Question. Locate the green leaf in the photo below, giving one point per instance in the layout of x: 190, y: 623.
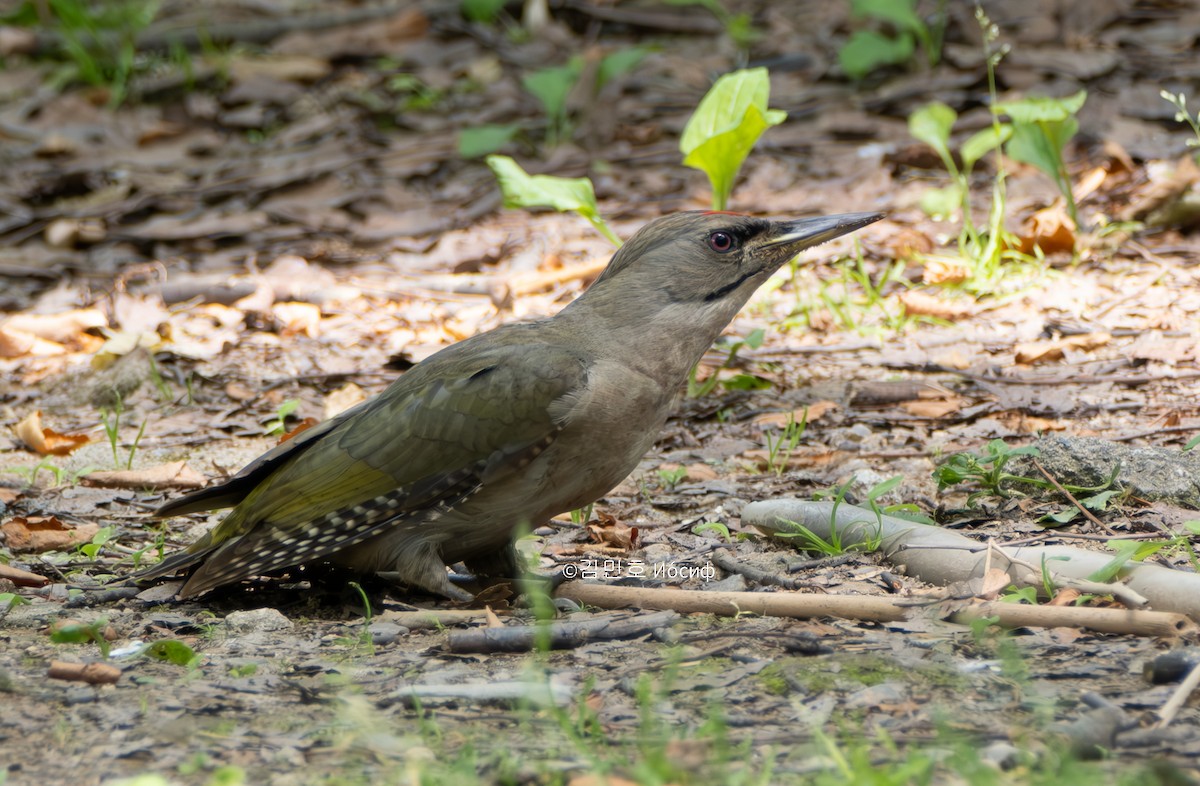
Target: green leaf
x: 481, y: 10
x: 931, y: 124
x: 746, y: 382
x: 171, y: 651
x: 867, y: 50
x: 523, y: 190
x: 1191, y: 443
x: 484, y: 140
x: 1126, y: 551
x: 755, y: 339
x: 725, y: 127
x: 901, y: 13
x: 619, y: 62
x: 983, y: 142
x: 884, y: 487
x: 1064, y: 516
x: 941, y: 202
x: 1099, y: 502
x: 1041, y: 109
x: 552, y: 85
x: 1041, y: 145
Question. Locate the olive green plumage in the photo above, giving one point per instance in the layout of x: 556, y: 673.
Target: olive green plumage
x: 506, y: 428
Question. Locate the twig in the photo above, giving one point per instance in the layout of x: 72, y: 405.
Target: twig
x: 875, y: 609
x: 727, y: 562
x: 558, y: 635
x: 1178, y: 698
x: 1071, y: 497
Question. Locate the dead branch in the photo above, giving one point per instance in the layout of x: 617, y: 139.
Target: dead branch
x: 558, y: 635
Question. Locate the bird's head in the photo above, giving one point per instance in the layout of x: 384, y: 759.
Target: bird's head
x: 705, y: 257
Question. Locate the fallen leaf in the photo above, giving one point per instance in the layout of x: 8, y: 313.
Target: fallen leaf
x: 920, y: 304
x: 173, y: 475
x: 1050, y: 229
x: 945, y: 270
x: 781, y: 419
x: 1048, y: 351
x: 44, y: 533
x: 46, y: 441
x: 342, y: 399
x: 63, y: 328
x: 1064, y: 597
x: 297, y: 318
x: 933, y: 408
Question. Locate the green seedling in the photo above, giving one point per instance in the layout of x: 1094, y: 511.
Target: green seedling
x: 552, y: 87
x: 1126, y: 551
x: 670, y: 478
x: 725, y: 127
x: 485, y: 11
x: 718, y: 527
x: 171, y: 651
x: 486, y: 139
x: 1095, y: 502
x: 987, y: 471
x: 697, y: 389
x: 1041, y: 129
x: 1182, y: 115
x: 92, y: 548
x: 563, y: 194
x: 868, y: 49
x: 781, y: 447
x: 739, y: 27
x: 581, y: 516
x: 277, y: 425
x: 1191, y: 443
x: 82, y: 633
x: 111, y: 420
x: 99, y: 39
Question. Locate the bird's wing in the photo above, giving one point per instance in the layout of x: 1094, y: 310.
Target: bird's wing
x: 443, y: 431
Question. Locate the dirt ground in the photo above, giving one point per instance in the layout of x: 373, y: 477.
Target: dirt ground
x: 281, y: 228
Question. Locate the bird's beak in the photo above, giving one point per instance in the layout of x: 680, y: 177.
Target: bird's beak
x: 806, y: 232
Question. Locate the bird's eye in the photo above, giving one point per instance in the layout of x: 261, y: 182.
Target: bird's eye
x: 721, y: 242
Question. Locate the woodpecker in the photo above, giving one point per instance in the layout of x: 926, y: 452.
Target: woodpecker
x: 505, y: 429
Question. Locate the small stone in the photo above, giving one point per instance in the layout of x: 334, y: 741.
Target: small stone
x: 257, y: 620
x: 386, y: 632
x: 735, y: 582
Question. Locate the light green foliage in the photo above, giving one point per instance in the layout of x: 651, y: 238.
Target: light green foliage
x: 581, y: 516
x: 99, y: 38
x: 485, y: 11
x: 1041, y: 129
x: 1126, y: 551
x: 714, y: 526
x: 669, y: 478
x: 563, y: 194
x: 551, y: 86
x: 780, y: 447
x: 277, y: 425
x: 83, y: 633
x: 696, y: 389
x: 725, y: 127
x: 171, y: 651
x: 856, y: 300
x: 987, y: 471
x: 1179, y: 101
x: 868, y: 49
x: 485, y: 140
x: 738, y: 27
x: 92, y: 548
x: 111, y: 420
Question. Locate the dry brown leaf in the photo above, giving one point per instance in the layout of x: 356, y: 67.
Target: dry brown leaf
x: 992, y: 583
x: 781, y: 419
x: 1050, y: 229
x: 1064, y: 597
x: 172, y: 475
x: 1029, y: 424
x: 945, y: 270
x: 933, y: 408
x: 921, y: 304
x: 908, y: 243
x: 342, y: 399
x: 296, y: 318
x: 46, y: 441
x: 44, y: 533
x: 609, y: 533
x: 1032, y: 352
x: 62, y: 328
